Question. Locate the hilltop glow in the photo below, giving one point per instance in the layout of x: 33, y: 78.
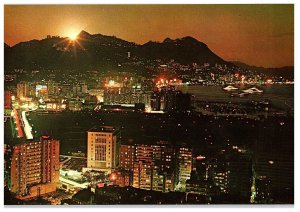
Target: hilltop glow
x: 72, y: 34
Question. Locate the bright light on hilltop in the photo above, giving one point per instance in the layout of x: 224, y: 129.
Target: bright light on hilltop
x: 72, y: 34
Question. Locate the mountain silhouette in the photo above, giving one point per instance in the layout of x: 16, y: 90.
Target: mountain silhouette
x: 186, y: 50
x: 93, y: 51
x: 286, y: 71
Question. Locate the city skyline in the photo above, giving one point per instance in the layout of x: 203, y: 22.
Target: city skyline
x: 248, y: 33
x: 149, y: 105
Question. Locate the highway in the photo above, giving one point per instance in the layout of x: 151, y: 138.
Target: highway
x: 17, y: 122
x: 26, y: 125
x: 22, y: 124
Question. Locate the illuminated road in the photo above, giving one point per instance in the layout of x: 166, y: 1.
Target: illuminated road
x: 17, y: 122
x: 26, y: 125
x: 22, y: 124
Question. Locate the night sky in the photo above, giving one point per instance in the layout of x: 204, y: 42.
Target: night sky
x: 261, y: 35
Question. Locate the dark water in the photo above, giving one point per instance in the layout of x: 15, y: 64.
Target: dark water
x: 279, y: 95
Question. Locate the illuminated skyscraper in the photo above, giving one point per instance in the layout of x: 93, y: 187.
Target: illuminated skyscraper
x: 143, y: 167
x: 184, y: 166
x: 155, y: 101
x: 103, y: 148
x: 127, y: 156
x: 217, y: 170
x: 25, y: 89
x: 53, y: 88
x: 34, y: 167
x: 154, y: 168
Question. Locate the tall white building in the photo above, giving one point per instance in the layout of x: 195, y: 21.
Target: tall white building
x: 103, y: 148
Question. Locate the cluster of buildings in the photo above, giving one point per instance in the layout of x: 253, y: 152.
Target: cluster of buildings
x: 50, y: 90
x: 156, y: 167
x: 122, y: 96
x: 33, y: 166
x: 168, y: 168
x: 33, y: 169
x: 167, y: 98
x: 53, y: 96
x: 218, y: 74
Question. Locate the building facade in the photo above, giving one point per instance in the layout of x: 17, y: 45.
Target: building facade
x: 103, y: 148
x: 35, y: 167
x: 184, y: 166
x: 154, y: 168
x: 26, y: 89
x: 127, y: 156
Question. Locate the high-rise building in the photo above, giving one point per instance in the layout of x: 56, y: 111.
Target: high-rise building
x: 155, y: 101
x: 239, y: 177
x: 126, y: 96
x: 25, y: 89
x: 170, y: 98
x: 197, y: 186
x: 53, y: 88
x: 7, y: 100
x: 274, y: 158
x: 221, y: 179
x: 111, y: 95
x: 127, y: 156
x: 34, y: 167
x: 103, y: 148
x: 75, y: 105
x: 263, y: 190
x: 121, y: 177
x: 154, y: 168
x: 41, y: 90
x: 21, y: 90
x: 142, y: 172
x: 274, y: 166
x: 76, y: 90
x: 218, y: 171
x: 184, y: 166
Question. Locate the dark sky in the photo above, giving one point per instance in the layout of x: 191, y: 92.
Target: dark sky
x: 261, y: 35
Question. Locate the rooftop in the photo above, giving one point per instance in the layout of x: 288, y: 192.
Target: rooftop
x: 106, y: 129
